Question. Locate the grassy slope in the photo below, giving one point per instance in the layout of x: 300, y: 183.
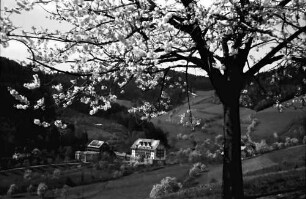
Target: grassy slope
x: 273, y: 121
x: 139, y: 185
x: 270, y: 120
x: 290, y: 156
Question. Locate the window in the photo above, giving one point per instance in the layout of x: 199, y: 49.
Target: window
x: 159, y: 153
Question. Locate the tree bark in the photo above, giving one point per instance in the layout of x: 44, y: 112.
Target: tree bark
x: 232, y: 167
x: 228, y: 87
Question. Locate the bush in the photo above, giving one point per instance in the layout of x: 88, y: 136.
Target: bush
x: 166, y: 186
x: 194, y: 156
x: 278, y: 145
x: 262, y: 147
x: 56, y: 174
x: 196, y: 169
x: 27, y: 175
x: 294, y: 141
x: 42, y: 189
x: 12, y: 190
x: 291, y: 141
x: 194, y: 172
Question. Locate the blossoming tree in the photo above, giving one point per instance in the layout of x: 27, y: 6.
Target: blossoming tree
x: 141, y: 40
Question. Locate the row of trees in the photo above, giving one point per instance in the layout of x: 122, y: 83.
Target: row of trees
x: 141, y: 41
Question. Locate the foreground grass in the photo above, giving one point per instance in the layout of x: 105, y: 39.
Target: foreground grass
x: 254, y: 186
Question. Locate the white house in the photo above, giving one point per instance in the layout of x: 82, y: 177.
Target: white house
x: 148, y: 151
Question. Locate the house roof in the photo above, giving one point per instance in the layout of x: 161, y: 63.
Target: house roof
x: 96, y: 144
x: 142, y: 143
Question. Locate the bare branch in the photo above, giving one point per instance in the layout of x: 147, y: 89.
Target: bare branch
x: 269, y: 58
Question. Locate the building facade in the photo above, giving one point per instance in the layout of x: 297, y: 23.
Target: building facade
x: 148, y: 151
x: 93, y: 151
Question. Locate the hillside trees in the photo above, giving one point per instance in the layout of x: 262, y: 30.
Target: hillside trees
x: 141, y: 41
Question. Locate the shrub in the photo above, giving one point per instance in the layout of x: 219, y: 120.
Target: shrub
x: 262, y: 147
x: 291, y: 141
x: 42, y: 189
x: 56, y: 174
x: 167, y: 185
x: 157, y: 191
x: 278, y: 145
x: 294, y: 141
x: 12, y: 190
x: 194, y: 156
x: 197, y: 168
x: 194, y: 172
x: 27, y: 175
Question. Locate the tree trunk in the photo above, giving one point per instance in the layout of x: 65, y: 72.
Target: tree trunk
x: 228, y: 87
x: 232, y: 168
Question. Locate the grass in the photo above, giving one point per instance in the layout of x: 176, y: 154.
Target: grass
x: 275, y: 182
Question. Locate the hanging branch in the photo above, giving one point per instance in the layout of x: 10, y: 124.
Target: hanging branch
x: 187, y: 93
x: 162, y: 87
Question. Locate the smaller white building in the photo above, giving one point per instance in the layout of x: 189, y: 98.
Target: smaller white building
x: 148, y: 151
x: 87, y: 156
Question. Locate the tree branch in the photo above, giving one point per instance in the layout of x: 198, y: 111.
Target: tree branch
x: 269, y: 58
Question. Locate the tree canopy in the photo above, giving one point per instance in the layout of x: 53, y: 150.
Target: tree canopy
x: 142, y: 40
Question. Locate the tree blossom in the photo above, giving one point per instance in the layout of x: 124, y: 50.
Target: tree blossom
x: 59, y: 124
x: 40, y: 104
x: 19, y: 97
x: 33, y: 85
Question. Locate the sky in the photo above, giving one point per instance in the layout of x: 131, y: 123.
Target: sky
x: 38, y: 18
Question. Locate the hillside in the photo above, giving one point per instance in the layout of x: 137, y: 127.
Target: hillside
x: 290, y: 122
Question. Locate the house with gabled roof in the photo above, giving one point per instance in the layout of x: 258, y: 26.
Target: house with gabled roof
x: 148, y: 151
x: 98, y: 146
x: 93, y: 151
